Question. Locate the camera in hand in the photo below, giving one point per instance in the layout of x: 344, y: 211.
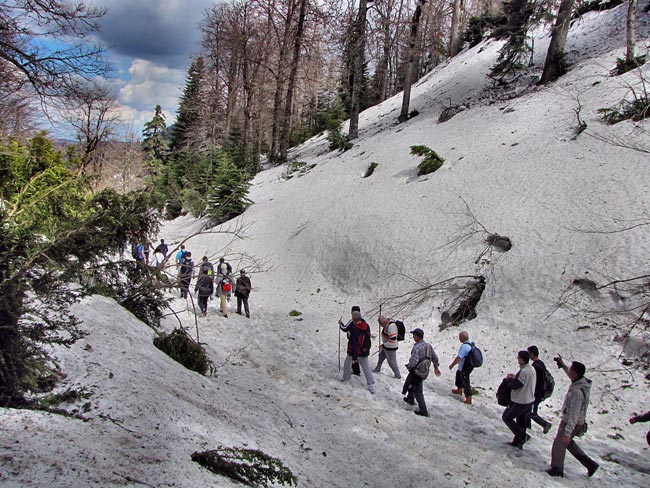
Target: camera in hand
x: 558, y: 361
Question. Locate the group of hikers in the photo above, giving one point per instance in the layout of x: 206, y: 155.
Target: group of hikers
x: 219, y: 282
x: 521, y: 392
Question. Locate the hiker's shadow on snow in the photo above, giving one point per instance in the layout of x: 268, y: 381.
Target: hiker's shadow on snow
x: 630, y: 460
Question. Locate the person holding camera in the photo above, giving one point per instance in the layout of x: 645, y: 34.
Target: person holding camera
x: 573, y: 424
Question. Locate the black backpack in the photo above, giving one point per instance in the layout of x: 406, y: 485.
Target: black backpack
x: 503, y: 392
x: 134, y: 250
x: 401, y: 330
x: 549, y: 384
x: 475, y: 356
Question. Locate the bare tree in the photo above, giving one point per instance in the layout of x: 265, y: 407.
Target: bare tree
x: 456, y: 35
x: 90, y: 109
x: 630, y: 56
x: 410, y: 65
x: 48, y: 67
x: 359, y: 53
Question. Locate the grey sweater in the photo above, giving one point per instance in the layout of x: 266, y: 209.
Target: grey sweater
x: 526, y: 377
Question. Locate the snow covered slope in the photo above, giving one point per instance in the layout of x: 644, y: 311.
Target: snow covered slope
x: 332, y: 239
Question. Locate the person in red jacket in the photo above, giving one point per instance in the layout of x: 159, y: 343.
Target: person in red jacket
x: 358, y: 349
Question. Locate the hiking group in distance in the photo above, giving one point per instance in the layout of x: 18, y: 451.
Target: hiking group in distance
x: 209, y: 282
x: 521, y: 392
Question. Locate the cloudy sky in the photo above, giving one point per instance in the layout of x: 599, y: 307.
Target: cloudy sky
x: 150, y: 43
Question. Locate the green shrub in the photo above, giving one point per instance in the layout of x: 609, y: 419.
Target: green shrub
x: 181, y: 348
x: 338, y: 140
x: 249, y: 466
x: 295, y: 313
x: 622, y: 66
x: 431, y: 162
x: 637, y: 110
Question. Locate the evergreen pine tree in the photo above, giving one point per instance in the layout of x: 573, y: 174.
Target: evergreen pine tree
x: 186, y: 132
x: 228, y: 196
x: 154, y: 142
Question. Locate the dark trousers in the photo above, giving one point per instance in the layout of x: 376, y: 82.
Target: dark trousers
x: 536, y: 417
x: 558, y: 452
x: 413, y: 390
x: 242, y: 300
x: 515, y: 416
x: 462, y: 380
x: 203, y: 303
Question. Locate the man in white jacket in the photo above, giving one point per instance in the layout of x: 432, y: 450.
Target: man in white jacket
x: 522, y: 399
x: 573, y: 424
x: 388, y: 346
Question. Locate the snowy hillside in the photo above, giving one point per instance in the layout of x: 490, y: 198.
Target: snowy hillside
x: 330, y: 239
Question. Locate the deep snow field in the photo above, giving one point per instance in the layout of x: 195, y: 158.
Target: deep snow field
x: 329, y: 239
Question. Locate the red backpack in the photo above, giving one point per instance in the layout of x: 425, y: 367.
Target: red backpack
x: 226, y: 286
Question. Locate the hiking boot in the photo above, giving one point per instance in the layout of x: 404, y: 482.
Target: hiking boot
x: 238, y: 312
x: 372, y: 389
x: 591, y: 471
x: 468, y: 400
x: 547, y: 427
x: 457, y: 391
x: 248, y: 316
x: 408, y: 400
x: 376, y: 371
x: 555, y: 472
x: 421, y: 413
x: 519, y: 444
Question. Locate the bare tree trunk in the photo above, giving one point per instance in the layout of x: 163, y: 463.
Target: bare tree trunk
x: 288, y: 104
x: 630, y: 56
x: 408, y: 77
x: 555, y: 64
x: 359, y: 49
x: 456, y: 38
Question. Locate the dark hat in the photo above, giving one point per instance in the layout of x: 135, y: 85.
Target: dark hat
x: 579, y: 368
x: 418, y: 332
x: 355, y: 308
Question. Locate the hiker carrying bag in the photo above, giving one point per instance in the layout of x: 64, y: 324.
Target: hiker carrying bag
x: 475, y: 356
x: 226, y: 286
x: 503, y: 392
x: 549, y: 384
x: 421, y: 369
x: 401, y: 330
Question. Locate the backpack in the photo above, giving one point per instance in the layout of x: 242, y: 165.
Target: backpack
x: 475, y: 356
x: 401, y: 330
x: 549, y: 384
x: 366, y: 342
x: 134, y: 250
x: 421, y: 369
x: 503, y: 392
x: 226, y: 286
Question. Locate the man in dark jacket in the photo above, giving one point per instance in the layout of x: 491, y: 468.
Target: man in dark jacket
x: 185, y: 272
x: 204, y: 288
x: 573, y: 424
x: 359, y: 330
x: 242, y: 292
x: 540, y: 389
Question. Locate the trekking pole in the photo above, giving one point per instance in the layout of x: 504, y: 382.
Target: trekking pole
x: 340, y: 345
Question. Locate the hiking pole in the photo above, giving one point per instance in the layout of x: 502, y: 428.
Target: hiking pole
x: 340, y: 344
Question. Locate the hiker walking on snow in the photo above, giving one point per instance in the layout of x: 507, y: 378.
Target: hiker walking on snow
x: 161, y: 248
x: 224, y: 288
x: 242, y: 292
x: 207, y: 266
x: 422, y: 356
x: 573, y: 424
x: 180, y: 255
x: 465, y: 368
x: 356, y: 370
x: 185, y: 272
x: 388, y: 346
x: 204, y: 288
x: 540, y: 389
x: 522, y: 398
x: 358, y: 349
